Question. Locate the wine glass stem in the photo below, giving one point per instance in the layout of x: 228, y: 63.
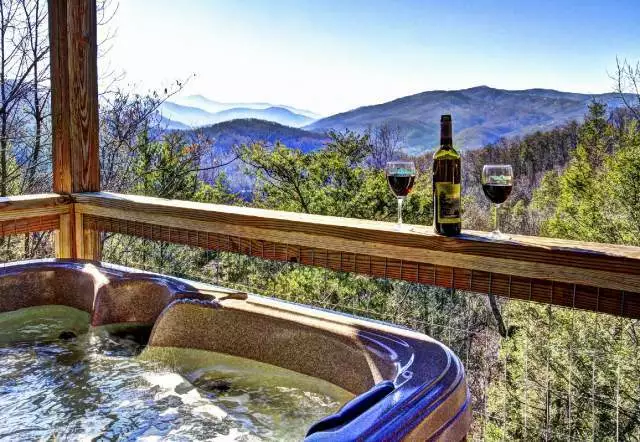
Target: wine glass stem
x: 497, y: 230
x: 400, y: 201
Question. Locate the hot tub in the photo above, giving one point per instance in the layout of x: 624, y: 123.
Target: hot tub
x: 407, y: 386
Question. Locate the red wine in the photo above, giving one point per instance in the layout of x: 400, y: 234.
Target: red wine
x: 497, y: 193
x: 401, y: 185
x: 447, y: 217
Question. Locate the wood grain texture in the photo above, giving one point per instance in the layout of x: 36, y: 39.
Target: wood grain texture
x: 78, y: 234
x: 74, y: 104
x: 74, y: 95
x: 37, y: 201
x: 587, y: 297
x: 35, y: 213
x: 469, y: 248
x: 64, y: 237
x: 43, y: 223
x: 538, y: 269
x: 91, y: 245
x: 83, y: 94
x: 60, y: 110
x: 31, y: 209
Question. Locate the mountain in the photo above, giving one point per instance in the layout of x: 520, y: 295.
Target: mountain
x: 197, y: 116
x: 212, y: 106
x: 186, y: 115
x: 227, y: 134
x: 168, y: 124
x: 235, y: 132
x: 279, y: 115
x: 481, y: 115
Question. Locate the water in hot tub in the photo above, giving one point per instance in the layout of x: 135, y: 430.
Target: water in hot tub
x: 60, y: 380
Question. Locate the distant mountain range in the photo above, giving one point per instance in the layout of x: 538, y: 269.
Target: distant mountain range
x: 217, y: 106
x: 197, y: 111
x: 481, y: 115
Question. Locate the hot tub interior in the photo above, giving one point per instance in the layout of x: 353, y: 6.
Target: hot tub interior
x: 64, y: 380
x: 93, y: 350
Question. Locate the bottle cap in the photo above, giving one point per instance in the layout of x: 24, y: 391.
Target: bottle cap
x: 445, y: 117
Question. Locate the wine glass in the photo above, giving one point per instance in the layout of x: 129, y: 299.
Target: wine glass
x: 497, y: 183
x: 401, y: 175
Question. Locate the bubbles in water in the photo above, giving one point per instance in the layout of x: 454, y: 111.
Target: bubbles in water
x: 71, y: 384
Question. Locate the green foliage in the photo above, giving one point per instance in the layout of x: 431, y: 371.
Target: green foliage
x: 574, y: 373
x: 331, y: 181
x: 166, y: 168
x: 597, y: 198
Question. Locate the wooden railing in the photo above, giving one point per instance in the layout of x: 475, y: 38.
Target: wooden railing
x: 37, y: 213
x: 598, y: 277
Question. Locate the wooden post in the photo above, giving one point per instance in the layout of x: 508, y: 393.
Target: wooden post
x: 60, y: 96
x: 64, y: 240
x: 74, y: 103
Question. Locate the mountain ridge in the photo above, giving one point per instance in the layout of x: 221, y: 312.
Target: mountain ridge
x: 209, y: 105
x: 213, y: 106
x: 195, y: 116
x: 245, y: 131
x: 481, y: 114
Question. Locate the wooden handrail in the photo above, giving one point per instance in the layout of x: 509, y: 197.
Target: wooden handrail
x: 12, y: 206
x: 592, y: 276
x: 598, y: 277
x: 37, y: 213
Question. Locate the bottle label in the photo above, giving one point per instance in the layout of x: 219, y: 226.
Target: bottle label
x: 448, y: 203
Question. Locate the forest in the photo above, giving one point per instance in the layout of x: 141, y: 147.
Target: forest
x: 536, y: 372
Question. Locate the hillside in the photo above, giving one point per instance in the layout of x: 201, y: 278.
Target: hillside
x: 278, y: 115
x: 481, y: 114
x: 245, y: 131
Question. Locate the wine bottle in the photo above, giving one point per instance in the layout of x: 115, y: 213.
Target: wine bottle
x: 446, y: 183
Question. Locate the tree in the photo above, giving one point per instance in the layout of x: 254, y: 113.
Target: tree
x: 571, y: 372
x: 335, y: 180
x: 386, y: 144
x: 627, y: 85
x: 585, y: 203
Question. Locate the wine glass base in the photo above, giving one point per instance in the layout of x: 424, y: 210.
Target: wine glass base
x: 403, y: 227
x: 498, y: 235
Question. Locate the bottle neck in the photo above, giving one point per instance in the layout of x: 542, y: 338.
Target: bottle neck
x: 446, y: 135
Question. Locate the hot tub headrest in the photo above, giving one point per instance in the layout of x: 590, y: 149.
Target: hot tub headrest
x: 352, y: 409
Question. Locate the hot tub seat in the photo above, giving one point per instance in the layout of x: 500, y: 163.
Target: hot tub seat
x: 421, y: 391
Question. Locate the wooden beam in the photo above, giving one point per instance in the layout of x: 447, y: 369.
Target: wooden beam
x: 544, y: 269
x: 33, y: 213
x: 63, y: 237
x: 41, y: 223
x: 83, y: 95
x: 78, y: 235
x: 60, y: 113
x: 74, y: 102
x: 365, y: 233
x: 10, y: 204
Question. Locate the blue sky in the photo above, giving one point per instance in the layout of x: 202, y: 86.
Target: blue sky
x: 330, y: 56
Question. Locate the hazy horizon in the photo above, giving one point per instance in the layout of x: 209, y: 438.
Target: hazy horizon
x: 329, y: 57
x: 178, y: 97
